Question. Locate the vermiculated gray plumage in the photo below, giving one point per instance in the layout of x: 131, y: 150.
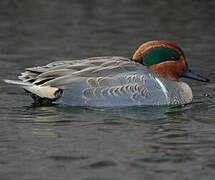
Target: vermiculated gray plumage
x: 104, y: 81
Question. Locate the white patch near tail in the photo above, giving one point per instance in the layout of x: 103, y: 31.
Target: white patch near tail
x: 42, y: 91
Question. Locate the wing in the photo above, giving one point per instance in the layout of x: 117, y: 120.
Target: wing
x: 99, y: 81
x: 62, y: 73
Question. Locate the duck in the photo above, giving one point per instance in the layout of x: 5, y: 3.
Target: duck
x: 150, y: 77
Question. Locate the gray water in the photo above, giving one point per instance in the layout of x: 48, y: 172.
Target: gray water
x: 58, y: 142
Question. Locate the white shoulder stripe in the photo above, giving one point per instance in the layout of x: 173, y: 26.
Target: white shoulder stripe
x: 163, y: 88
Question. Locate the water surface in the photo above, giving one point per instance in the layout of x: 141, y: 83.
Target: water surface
x: 58, y: 142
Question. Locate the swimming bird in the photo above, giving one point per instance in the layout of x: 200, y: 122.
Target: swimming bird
x: 150, y: 77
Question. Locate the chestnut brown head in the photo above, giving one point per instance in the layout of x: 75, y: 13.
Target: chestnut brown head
x: 166, y: 59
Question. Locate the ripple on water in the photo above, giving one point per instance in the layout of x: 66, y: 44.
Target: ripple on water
x: 100, y: 164
x: 67, y: 158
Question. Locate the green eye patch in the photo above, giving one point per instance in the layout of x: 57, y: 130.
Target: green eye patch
x: 159, y: 54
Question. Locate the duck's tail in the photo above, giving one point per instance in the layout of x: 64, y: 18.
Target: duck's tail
x: 38, y: 92
x: 18, y: 83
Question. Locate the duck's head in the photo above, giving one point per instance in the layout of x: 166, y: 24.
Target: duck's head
x: 166, y: 59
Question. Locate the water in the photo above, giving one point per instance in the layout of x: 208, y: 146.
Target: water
x: 56, y: 142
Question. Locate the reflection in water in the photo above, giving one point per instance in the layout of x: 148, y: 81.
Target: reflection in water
x: 54, y: 113
x: 160, y: 140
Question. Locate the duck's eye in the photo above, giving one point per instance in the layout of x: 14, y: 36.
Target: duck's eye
x: 173, y: 58
x: 157, y: 55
